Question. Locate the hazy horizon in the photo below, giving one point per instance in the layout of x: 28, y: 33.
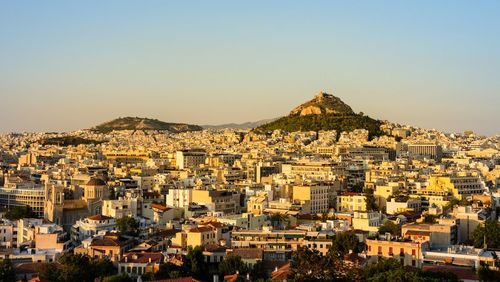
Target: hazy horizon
x: 72, y: 65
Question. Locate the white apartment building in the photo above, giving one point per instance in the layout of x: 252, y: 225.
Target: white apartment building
x: 90, y: 226
x: 190, y: 158
x: 120, y: 208
x: 179, y: 197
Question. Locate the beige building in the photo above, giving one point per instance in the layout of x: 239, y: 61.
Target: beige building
x: 51, y: 237
x: 444, y: 233
x: 350, y: 202
x: 224, y: 201
x: 367, y: 221
x: 316, y: 196
x: 407, y: 252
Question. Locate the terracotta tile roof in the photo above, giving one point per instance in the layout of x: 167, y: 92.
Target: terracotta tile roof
x: 231, y: 277
x: 463, y: 273
x: 160, y: 207
x: 282, y: 273
x: 99, y: 217
x: 74, y: 205
x: 142, y: 258
x: 247, y: 253
x: 200, y: 229
x: 215, y: 224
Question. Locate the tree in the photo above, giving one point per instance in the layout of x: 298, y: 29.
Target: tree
x: 102, y: 267
x: 168, y: 270
x: 195, y: 262
x: 49, y: 271
x: 487, y: 274
x: 76, y: 267
x: 7, y: 270
x: 278, y: 221
x: 430, y: 219
x: 343, y: 242
x: 18, y: 212
x: 128, y: 226
x: 489, y: 234
x: 259, y: 272
x: 371, y: 203
x: 390, y: 227
x: 231, y: 264
x: 389, y: 270
x: 308, y: 265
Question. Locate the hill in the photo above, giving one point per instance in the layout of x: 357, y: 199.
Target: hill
x: 245, y: 125
x: 137, y: 123
x: 324, y: 112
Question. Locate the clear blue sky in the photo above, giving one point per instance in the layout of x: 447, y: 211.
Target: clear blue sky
x: 66, y: 65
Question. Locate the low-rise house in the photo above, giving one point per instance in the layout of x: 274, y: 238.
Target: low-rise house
x: 137, y: 264
x: 111, y: 245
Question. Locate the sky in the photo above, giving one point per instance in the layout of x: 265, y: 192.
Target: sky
x: 68, y: 65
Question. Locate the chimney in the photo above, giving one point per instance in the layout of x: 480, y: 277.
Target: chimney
x: 126, y: 259
x: 275, y: 269
x: 149, y: 259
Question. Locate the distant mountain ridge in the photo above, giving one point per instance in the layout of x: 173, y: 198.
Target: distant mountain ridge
x: 138, y: 123
x: 323, y: 112
x: 245, y: 125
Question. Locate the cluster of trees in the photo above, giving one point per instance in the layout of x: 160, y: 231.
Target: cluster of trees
x: 399, y: 197
x: 18, y: 212
x: 371, y: 202
x: 390, y: 227
x: 195, y: 266
x: 7, y: 270
x: 310, y: 265
x: 128, y: 226
x: 69, y: 141
x: 456, y: 202
x: 346, y: 122
x: 488, y: 234
x: 76, y: 267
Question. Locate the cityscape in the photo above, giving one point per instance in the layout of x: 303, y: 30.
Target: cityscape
x: 192, y: 185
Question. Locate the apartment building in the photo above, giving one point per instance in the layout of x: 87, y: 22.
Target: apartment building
x: 316, y: 196
x: 190, y: 158
x: 90, y: 226
x: 224, y: 201
x: 444, y: 233
x: 26, y: 195
x: 407, y: 252
x: 350, y: 202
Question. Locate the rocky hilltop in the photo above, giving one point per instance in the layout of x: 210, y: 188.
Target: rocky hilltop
x: 323, y: 112
x: 323, y: 103
x: 137, y: 123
